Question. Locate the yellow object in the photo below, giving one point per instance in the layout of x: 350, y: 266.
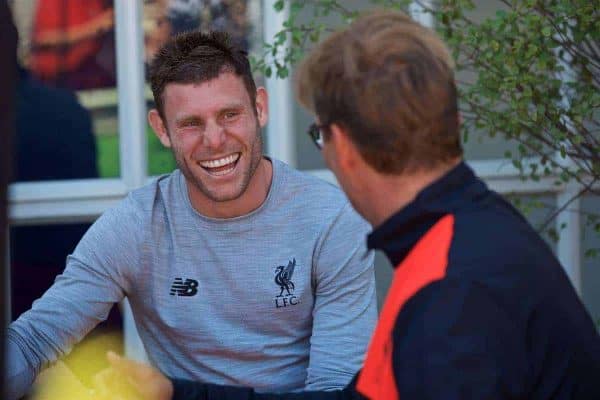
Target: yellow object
x: 84, y: 373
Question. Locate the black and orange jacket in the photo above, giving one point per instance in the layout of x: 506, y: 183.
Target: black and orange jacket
x: 479, y: 308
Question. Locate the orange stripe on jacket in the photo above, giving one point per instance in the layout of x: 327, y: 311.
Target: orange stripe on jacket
x: 426, y: 262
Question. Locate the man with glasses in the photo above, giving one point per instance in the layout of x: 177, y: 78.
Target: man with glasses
x: 479, y: 307
x: 239, y: 269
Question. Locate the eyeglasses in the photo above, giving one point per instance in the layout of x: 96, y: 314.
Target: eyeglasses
x: 316, y: 134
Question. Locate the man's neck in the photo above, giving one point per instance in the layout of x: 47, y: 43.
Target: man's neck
x: 388, y: 194
x: 254, y: 196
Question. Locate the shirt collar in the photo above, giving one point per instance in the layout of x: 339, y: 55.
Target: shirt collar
x: 400, y: 232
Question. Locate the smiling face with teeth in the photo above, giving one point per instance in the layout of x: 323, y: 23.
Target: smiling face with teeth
x: 213, y: 130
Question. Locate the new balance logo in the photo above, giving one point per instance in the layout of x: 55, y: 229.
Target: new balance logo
x: 181, y: 288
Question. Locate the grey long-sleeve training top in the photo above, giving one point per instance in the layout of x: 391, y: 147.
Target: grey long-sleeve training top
x: 280, y: 299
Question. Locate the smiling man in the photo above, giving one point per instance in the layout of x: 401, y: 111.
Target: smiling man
x: 239, y: 270
x: 212, y: 123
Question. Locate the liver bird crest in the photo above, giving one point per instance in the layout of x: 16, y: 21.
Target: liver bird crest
x: 283, y: 277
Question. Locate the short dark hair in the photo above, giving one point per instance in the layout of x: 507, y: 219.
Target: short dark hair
x: 389, y: 82
x: 196, y: 57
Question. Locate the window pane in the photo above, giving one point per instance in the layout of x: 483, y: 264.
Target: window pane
x: 590, y: 254
x: 165, y: 18
x: 67, y: 100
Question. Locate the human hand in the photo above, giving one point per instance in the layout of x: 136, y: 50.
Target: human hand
x: 131, y: 380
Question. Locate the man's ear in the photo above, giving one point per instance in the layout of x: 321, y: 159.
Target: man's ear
x: 160, y: 130
x: 346, y: 153
x: 262, y: 106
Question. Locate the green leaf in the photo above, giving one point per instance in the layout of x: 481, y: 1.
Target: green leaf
x: 546, y: 31
x: 282, y: 72
x: 563, y: 151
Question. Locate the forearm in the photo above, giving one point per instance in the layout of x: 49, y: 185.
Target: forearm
x: 150, y: 383
x: 19, y: 371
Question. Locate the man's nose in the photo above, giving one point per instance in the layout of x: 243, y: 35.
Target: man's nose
x: 214, y: 135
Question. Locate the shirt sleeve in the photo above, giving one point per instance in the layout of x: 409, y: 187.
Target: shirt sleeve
x: 80, y: 298
x: 345, y: 308
x: 456, y: 340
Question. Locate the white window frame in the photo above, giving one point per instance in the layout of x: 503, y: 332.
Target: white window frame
x: 84, y: 200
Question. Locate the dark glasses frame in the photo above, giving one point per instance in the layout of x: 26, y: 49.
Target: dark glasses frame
x: 315, y: 131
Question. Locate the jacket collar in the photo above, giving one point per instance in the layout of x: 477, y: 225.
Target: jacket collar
x: 453, y: 191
